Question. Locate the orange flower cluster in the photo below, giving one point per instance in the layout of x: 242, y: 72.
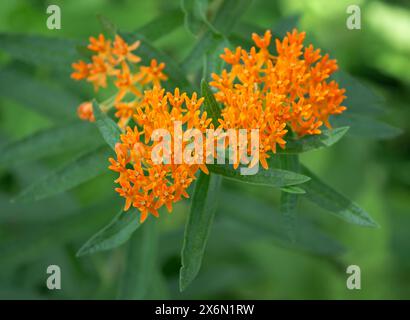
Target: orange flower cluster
x: 115, y: 60
x: 144, y: 183
x: 272, y: 93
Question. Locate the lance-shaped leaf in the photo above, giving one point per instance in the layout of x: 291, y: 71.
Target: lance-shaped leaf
x: 327, y: 138
x: 162, y: 25
x: 272, y: 177
x: 289, y: 201
x: 72, y: 174
x: 49, y: 142
x: 265, y: 221
x: 211, y: 106
x: 293, y: 189
x: 226, y: 17
x: 50, y: 52
x: 116, y: 233
x: 195, y: 16
x: 328, y: 198
x: 201, y: 215
x: 108, y: 128
x: 365, y: 127
x: 49, y: 100
x: 140, y: 269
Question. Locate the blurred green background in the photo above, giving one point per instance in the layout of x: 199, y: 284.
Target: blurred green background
x: 244, y: 259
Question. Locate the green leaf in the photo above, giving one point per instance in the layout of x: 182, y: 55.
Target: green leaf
x: 26, y: 246
x: 141, y: 264
x: 327, y: 138
x: 327, y: 198
x: 226, y: 18
x: 162, y: 25
x: 365, y: 127
x: 176, y: 77
x: 272, y: 177
x: 198, y: 226
x: 116, y: 233
x: 47, y: 99
x: 211, y: 106
x: 195, y: 16
x: 289, y: 201
x: 359, y: 98
x: 72, y: 174
x: 108, y: 128
x: 49, y: 52
x: 48, y: 142
x: 261, y: 219
x: 293, y: 189
x: 212, y: 61
x: 108, y: 26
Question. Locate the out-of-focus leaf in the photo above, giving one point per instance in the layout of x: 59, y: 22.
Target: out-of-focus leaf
x: 44, y: 98
x: 141, y: 262
x: 366, y: 127
x: 226, y: 17
x: 327, y: 198
x: 265, y: 221
x: 39, y: 239
x: 108, y: 128
x: 284, y: 25
x: 73, y: 136
x: 293, y: 189
x: 272, y: 177
x: 50, y: 52
x: 211, y: 106
x: 212, y: 61
x: 359, y: 98
x: 198, y: 226
x: 162, y: 25
x: 176, y: 77
x: 327, y: 138
x: 72, y: 174
x: 109, y: 27
x: 116, y: 233
x: 195, y: 16
x: 289, y: 201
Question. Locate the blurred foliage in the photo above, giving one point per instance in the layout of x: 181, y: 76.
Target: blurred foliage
x: 248, y: 255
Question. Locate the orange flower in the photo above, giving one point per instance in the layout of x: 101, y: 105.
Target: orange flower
x: 85, y: 111
x: 111, y: 61
x: 82, y: 70
x: 145, y: 184
x: 123, y: 51
x: 275, y: 93
x: 152, y: 74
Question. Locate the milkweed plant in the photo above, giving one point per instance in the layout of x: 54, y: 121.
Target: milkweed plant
x: 171, y: 137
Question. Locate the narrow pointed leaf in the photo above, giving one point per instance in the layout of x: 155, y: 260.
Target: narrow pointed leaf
x: 226, y: 18
x: 195, y: 16
x: 365, y: 127
x: 272, y: 177
x: 44, y: 98
x: 116, y: 233
x: 72, y: 174
x: 162, y: 25
x: 328, y: 198
x: 211, y: 106
x: 49, y: 142
x: 201, y: 215
x: 289, y: 201
x: 108, y: 128
x: 327, y: 138
x: 50, y: 52
x: 140, y: 268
